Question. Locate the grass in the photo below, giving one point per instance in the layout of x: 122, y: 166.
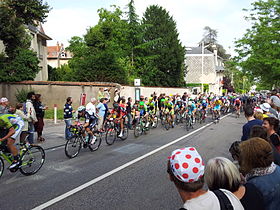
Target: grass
x: 49, y: 114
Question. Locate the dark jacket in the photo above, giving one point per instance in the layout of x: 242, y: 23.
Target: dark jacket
x: 39, y: 109
x: 68, y: 111
x: 269, y: 186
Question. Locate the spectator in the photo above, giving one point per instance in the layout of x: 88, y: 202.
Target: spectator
x: 116, y: 96
x: 274, y: 98
x: 107, y: 94
x: 249, y: 114
x: 40, y: 113
x: 266, y: 107
x: 186, y: 170
x: 256, y: 164
x: 259, y: 131
x: 258, y: 115
x: 90, y: 107
x: 101, y: 113
x: 100, y: 94
x: 4, y: 106
x: 271, y: 126
x: 128, y: 111
x: 31, y: 116
x: 20, y: 113
x: 221, y: 173
x: 68, y: 115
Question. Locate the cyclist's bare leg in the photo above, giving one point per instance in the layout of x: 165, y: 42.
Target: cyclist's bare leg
x: 11, y: 147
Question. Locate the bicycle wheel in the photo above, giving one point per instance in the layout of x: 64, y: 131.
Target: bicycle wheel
x: 95, y: 146
x: 1, y: 166
x: 110, y: 136
x: 32, y: 160
x: 178, y: 118
x: 137, y: 130
x: 125, y: 133
x: 188, y: 123
x: 73, y: 147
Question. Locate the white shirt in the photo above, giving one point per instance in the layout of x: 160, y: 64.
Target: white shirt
x: 209, y: 201
x: 90, y: 108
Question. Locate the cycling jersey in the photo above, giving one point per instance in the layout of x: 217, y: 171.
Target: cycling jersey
x: 143, y: 110
x: 9, y: 120
x: 91, y: 119
x: 191, y: 108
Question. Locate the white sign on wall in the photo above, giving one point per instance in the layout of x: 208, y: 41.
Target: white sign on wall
x: 137, y: 82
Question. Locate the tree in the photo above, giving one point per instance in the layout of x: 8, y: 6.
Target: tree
x: 168, y: 52
x: 259, y: 48
x: 99, y: 55
x: 19, y: 62
x: 210, y: 38
x: 210, y: 35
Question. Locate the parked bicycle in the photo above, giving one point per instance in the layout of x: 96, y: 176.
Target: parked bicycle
x: 74, y: 144
x: 113, y: 129
x: 31, y: 158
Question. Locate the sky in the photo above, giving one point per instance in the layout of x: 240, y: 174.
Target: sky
x: 72, y: 17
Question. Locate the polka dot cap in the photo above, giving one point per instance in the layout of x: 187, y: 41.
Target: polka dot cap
x: 187, y: 164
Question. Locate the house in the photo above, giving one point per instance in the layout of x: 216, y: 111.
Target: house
x: 57, y: 55
x: 204, y: 67
x: 39, y: 45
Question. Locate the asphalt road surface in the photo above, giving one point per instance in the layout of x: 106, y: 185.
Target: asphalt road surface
x: 130, y: 174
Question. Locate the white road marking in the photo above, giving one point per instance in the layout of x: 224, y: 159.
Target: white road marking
x: 81, y: 187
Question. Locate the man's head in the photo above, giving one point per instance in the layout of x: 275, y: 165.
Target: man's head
x: 31, y: 95
x: 248, y: 111
x: 93, y: 100
x: 186, y: 169
x: 81, y: 110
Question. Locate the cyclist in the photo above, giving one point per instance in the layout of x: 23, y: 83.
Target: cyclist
x: 237, y: 105
x: 217, y: 107
x: 143, y: 109
x: 169, y: 108
x: 119, y: 114
x: 13, y: 125
x: 191, y: 109
x: 151, y: 106
x: 90, y: 122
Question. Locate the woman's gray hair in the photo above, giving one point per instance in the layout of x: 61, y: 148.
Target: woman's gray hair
x: 220, y: 173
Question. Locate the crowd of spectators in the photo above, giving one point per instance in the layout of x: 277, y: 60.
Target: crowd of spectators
x: 31, y: 111
x: 250, y: 181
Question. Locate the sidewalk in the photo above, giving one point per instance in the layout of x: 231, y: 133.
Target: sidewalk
x: 53, y: 134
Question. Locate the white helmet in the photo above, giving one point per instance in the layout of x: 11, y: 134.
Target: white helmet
x: 190, y: 103
x: 81, y: 108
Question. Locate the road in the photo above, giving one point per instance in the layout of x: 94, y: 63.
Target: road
x: 141, y: 184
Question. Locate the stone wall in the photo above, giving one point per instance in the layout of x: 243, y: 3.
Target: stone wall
x: 57, y: 92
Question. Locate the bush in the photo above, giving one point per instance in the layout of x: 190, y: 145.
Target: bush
x: 21, y: 95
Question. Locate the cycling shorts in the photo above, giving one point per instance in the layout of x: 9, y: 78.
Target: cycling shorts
x: 217, y: 107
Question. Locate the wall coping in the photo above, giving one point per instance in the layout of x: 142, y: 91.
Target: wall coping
x: 63, y: 83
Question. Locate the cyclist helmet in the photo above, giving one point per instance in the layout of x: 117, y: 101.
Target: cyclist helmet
x: 81, y: 108
x: 116, y: 106
x: 190, y: 103
x: 204, y: 101
x: 141, y: 103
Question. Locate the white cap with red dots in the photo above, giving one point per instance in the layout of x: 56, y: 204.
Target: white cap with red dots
x: 186, y: 164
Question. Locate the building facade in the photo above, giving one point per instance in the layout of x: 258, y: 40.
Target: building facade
x: 58, y: 56
x: 204, y: 68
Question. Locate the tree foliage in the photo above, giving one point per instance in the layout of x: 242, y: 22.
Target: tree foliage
x: 119, y: 49
x: 168, y: 52
x: 19, y: 62
x: 259, y: 48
